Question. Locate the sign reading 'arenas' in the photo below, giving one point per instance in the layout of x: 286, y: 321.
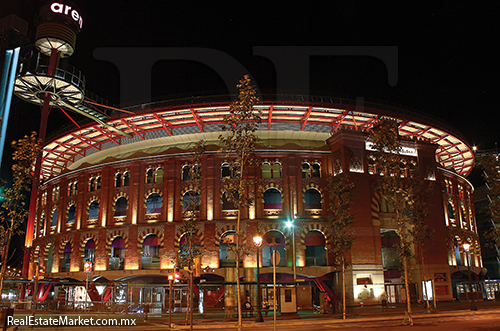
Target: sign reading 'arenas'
x: 60, y: 8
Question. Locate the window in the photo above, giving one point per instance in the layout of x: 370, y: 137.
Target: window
x: 98, y: 183
x: 54, y: 217
x: 55, y: 193
x: 271, y: 172
x: 121, y: 207
x: 71, y: 214
x: 92, y: 184
x: 73, y: 188
x: 306, y: 170
x: 272, y: 199
x: 151, y: 252
x: 42, y: 225
x: 153, y: 204
x: 149, y: 176
x: 159, y: 175
x: 227, y: 256
x: 186, y: 173
x: 315, y: 248
x: 225, y: 170
x: 89, y: 253
x: 316, y: 171
x: 190, y: 201
x: 390, y: 241
x: 277, y: 170
x: 372, y: 165
x: 185, y: 246
x: 50, y: 254
x: 226, y: 204
x: 118, y: 179
x: 66, y: 261
x: 126, y: 178
x: 266, y: 170
x: 312, y: 199
x: 228, y: 172
x: 93, y: 210
x: 117, y: 257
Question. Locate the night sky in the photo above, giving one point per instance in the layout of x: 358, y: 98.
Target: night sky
x: 447, y: 65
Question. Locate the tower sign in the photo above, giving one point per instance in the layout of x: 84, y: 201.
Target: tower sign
x: 60, y: 8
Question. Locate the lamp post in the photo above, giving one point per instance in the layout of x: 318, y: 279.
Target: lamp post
x: 472, y: 302
x: 170, y: 281
x: 257, y: 240
x: 290, y: 225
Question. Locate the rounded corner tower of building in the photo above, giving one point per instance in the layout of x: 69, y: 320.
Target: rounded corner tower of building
x: 117, y: 201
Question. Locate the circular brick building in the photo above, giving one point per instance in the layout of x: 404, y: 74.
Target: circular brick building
x: 116, y: 201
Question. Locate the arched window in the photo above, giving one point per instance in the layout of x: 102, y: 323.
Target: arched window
x: 70, y: 189
x: 186, y: 173
x: 316, y: 170
x: 91, y: 184
x: 306, y: 170
x: 50, y: 259
x: 226, y: 204
x: 71, y: 214
x: 118, y: 179
x: 451, y: 211
x: 372, y: 165
x: 149, y: 176
x: 236, y: 170
x: 277, y: 170
x: 266, y: 170
x: 153, y: 204
x: 66, y: 261
x: 93, y: 210
x: 225, y: 170
x: 227, y: 256
x: 121, y: 207
x: 42, y: 225
x: 190, y: 201
x: 55, y: 215
x: 312, y: 199
x: 126, y: 178
x: 315, y: 248
x: 151, y: 252
x: 98, y: 183
x: 117, y: 258
x: 186, y: 247
x: 272, y: 199
x: 89, y: 253
x: 273, y: 241
x: 159, y: 175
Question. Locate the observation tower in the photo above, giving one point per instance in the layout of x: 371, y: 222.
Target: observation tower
x: 44, y: 81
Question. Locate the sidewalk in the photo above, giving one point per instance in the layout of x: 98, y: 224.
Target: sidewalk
x: 216, y: 318
x: 355, y: 315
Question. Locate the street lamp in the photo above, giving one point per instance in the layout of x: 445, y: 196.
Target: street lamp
x: 257, y: 240
x: 472, y: 302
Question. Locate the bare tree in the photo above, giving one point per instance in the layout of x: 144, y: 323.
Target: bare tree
x: 340, y: 192
x: 190, y: 251
x: 388, y: 148
x: 238, y: 142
